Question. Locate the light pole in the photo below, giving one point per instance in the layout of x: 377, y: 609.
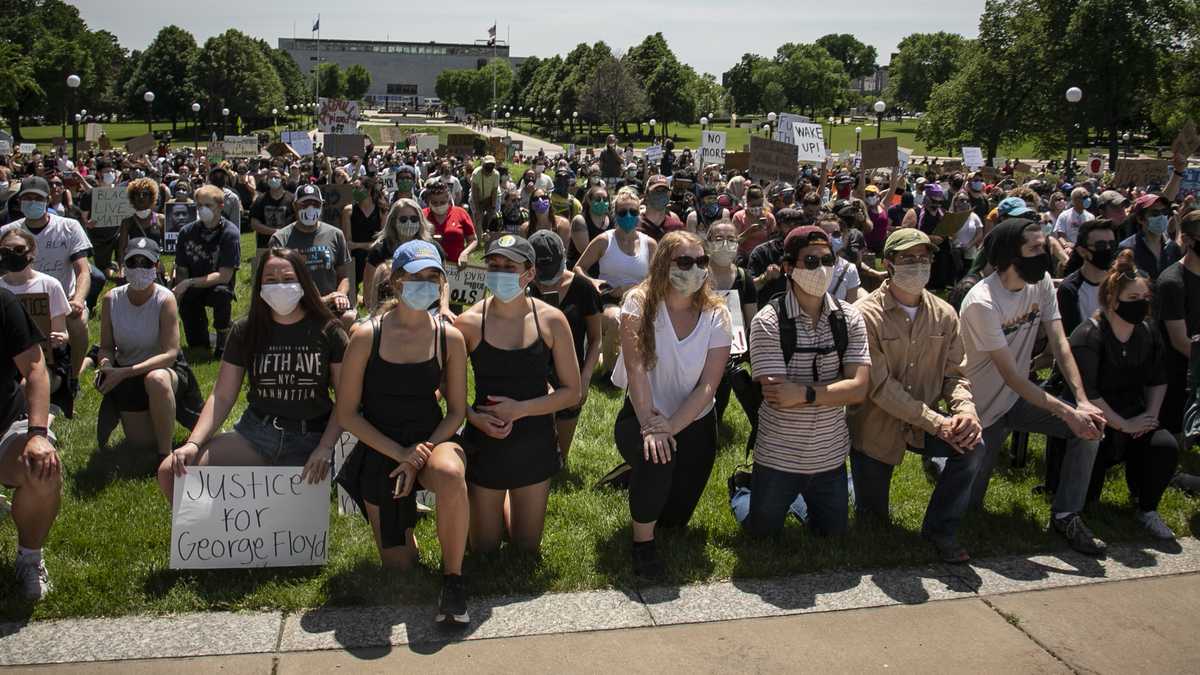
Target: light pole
x: 703, y: 123
x: 224, y: 122
x: 771, y: 117
x: 73, y: 82
x: 880, y: 106
x: 274, y: 122
x: 829, y: 138
x: 574, y: 120
x: 767, y: 130
x: 148, y: 97
x: 196, y: 128
x: 1074, y: 95
x: 857, y: 139
x: 652, y: 137
x: 1125, y: 137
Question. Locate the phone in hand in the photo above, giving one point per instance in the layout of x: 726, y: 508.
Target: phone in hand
x: 99, y: 380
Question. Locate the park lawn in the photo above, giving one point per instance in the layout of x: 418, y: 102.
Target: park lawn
x: 108, y: 552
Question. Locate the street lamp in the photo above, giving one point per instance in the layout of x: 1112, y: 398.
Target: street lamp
x: 1074, y: 95
x: 767, y: 130
x: 148, y: 97
x: 829, y: 138
x: 703, y: 122
x: 771, y: 117
x: 652, y: 123
x: 1125, y: 137
x: 857, y: 139
x: 73, y: 83
x: 880, y: 106
x: 196, y: 128
x: 274, y: 122
x: 224, y: 122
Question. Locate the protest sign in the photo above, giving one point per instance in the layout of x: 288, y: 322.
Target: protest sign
x: 951, y: 223
x: 1190, y: 184
x: 140, y: 145
x: 951, y: 166
x: 241, y: 146
x: 1140, y: 172
x: 653, y: 154
x: 27, y: 148
x: 466, y: 283
x: 178, y: 215
x: 972, y: 157
x: 1187, y: 141
x: 427, y: 142
x: 93, y: 132
x: 879, y: 153
x: 784, y: 124
x: 737, y: 161
x: 990, y: 174
x: 337, y: 116
x: 1021, y: 169
x: 809, y: 140
x: 733, y: 302
x: 5, y: 148
x: 712, y: 149
x: 389, y: 135
x: 336, y: 199
x: 281, y: 149
x: 341, y: 450
x: 342, y: 145
x: 300, y: 141
x: 237, y: 517
x: 110, y: 205
x: 773, y: 160
x: 903, y: 158
x: 5, y: 136
x: 460, y: 145
x: 37, y: 306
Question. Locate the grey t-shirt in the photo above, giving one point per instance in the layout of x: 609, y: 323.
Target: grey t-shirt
x: 323, y: 249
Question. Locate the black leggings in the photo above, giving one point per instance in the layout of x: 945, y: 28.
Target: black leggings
x: 667, y: 493
x: 1150, y: 463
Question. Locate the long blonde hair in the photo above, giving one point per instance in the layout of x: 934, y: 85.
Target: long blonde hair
x: 656, y: 285
x: 391, y: 229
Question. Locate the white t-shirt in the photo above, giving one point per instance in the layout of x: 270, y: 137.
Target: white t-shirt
x: 992, y: 318
x: 966, y: 234
x: 1089, y: 299
x: 680, y: 362
x: 59, y: 244
x: 845, y: 277
x: 42, y: 283
x: 1068, y: 223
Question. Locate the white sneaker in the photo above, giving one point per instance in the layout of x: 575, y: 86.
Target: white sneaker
x: 1154, y: 525
x: 32, y: 575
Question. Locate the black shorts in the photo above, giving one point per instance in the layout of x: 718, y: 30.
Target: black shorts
x: 365, y: 477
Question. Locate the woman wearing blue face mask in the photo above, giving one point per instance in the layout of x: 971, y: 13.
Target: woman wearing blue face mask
x: 707, y: 211
x: 596, y: 218
x: 1153, y: 250
x: 396, y: 365
x: 540, y: 218
x: 515, y: 343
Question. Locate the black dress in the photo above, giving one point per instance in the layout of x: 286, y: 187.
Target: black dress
x: 363, y: 229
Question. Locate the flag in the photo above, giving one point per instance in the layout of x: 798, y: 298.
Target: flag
x: 317, y: 24
x: 492, y: 35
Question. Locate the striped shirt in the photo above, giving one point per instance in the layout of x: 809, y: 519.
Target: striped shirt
x: 809, y: 439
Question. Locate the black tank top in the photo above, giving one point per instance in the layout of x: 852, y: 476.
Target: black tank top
x: 399, y: 399
x: 363, y: 228
x: 519, y: 374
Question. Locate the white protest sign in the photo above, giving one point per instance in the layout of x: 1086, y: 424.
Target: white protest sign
x: 654, y: 154
x: 337, y: 116
x: 110, y: 206
x: 903, y: 158
x: 241, y: 146
x: 466, y: 283
x: 248, y: 516
x: 809, y: 140
x: 712, y: 149
x: 427, y: 142
x: 972, y: 157
x: 734, y: 303
x: 27, y: 148
x: 784, y: 124
x: 300, y: 141
x: 341, y: 450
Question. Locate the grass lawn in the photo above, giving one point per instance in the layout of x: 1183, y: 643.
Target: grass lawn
x: 108, y: 552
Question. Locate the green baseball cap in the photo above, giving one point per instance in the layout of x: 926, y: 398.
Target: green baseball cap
x: 904, y: 239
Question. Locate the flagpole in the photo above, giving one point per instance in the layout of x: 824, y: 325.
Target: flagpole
x: 493, y: 36
x: 317, y: 79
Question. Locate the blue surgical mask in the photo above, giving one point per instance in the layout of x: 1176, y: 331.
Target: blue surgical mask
x: 1087, y: 202
x: 33, y: 210
x: 1157, y: 224
x: 506, y: 286
x: 627, y: 222
x: 420, y: 295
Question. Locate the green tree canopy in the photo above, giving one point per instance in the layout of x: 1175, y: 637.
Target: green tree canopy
x: 358, y: 81
x: 857, y: 59
x: 922, y: 61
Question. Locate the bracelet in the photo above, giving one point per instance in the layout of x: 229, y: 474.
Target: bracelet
x: 191, y: 442
x: 38, y: 431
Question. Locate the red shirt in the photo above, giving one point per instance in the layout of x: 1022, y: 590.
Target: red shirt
x: 670, y: 223
x: 454, y: 231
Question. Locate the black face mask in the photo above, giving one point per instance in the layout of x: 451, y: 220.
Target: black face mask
x: 1133, y: 311
x: 14, y: 262
x: 1032, y: 269
x: 1103, y: 257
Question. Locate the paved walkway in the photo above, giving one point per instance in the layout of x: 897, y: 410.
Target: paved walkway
x: 985, y: 616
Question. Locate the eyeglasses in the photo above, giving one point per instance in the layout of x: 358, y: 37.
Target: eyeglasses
x: 812, y: 262
x: 622, y: 213
x: 685, y: 262
x: 139, y: 263
x: 722, y: 240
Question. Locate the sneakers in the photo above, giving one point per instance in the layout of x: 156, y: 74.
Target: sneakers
x: 646, y: 565
x: 617, y: 478
x: 1187, y: 482
x: 452, y: 607
x: 1154, y: 524
x: 1077, y: 534
x: 31, y: 573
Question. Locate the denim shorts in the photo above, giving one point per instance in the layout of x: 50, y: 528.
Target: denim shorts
x: 277, y: 447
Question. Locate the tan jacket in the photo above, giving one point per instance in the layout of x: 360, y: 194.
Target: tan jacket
x: 914, y: 364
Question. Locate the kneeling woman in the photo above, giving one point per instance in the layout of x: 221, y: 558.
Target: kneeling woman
x: 395, y: 366
x: 291, y: 346
x: 675, y: 340
x: 512, y: 447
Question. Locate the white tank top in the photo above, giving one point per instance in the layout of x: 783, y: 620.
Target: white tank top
x: 619, y: 269
x: 136, y: 327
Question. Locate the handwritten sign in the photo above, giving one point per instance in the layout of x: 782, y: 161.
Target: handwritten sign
x: 773, y: 160
x: 37, y: 306
x: 466, y: 283
x: 712, y: 149
x: 300, y: 141
x: 785, y: 125
x: 337, y: 116
x: 27, y: 148
x: 1140, y: 172
x: 341, y: 450
x: 342, y: 145
x: 1190, y: 184
x: 216, y: 152
x: 426, y: 142
x: 110, y: 206
x: 238, y: 517
x: 972, y: 157
x: 140, y: 145
x: 654, y: 154
x: 178, y: 215
x: 903, y: 159
x: 737, y: 161
x: 733, y: 302
x: 241, y: 146
x: 809, y: 140
x: 879, y: 153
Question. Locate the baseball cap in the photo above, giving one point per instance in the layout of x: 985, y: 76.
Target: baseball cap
x: 779, y: 188
x: 872, y: 188
x: 804, y: 235
x: 34, y: 185
x: 657, y: 181
x: 1012, y: 206
x: 844, y: 208
x: 547, y: 252
x: 416, y: 255
x: 488, y: 159
x: 1111, y: 198
x: 1142, y: 203
x: 309, y: 193
x: 904, y: 239
x: 142, y: 246
x: 514, y: 248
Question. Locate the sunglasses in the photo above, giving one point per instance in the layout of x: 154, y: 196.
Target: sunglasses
x: 14, y: 251
x: 812, y: 262
x: 626, y: 212
x: 407, y: 219
x: 685, y: 262
x: 139, y: 263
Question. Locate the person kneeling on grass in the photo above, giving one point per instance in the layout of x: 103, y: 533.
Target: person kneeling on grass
x: 395, y: 366
x: 809, y: 352
x: 291, y: 346
x: 675, y: 340
x: 28, y: 461
x: 207, y: 254
x: 916, y: 361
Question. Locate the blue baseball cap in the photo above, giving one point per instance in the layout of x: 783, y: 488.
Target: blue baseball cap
x: 416, y: 255
x: 1012, y: 206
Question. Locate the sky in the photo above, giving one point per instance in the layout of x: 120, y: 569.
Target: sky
x: 709, y: 35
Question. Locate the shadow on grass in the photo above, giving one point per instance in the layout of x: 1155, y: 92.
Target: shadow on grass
x: 123, y: 461
x: 222, y: 587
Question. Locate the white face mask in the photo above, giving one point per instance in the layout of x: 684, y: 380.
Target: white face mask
x: 911, y: 278
x: 813, y: 282
x: 440, y: 209
x: 309, y: 215
x: 872, y: 201
x: 282, y: 298
x: 140, y: 278
x: 143, y: 213
x: 108, y: 178
x: 688, y: 282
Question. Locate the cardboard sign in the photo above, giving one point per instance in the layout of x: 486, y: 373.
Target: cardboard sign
x: 951, y: 166
x: 737, y: 161
x: 110, y: 205
x: 281, y: 149
x: 336, y: 199
x: 241, y: 146
x: 951, y: 223
x: 215, y: 152
x: 389, y: 135
x: 239, y: 517
x: 773, y: 160
x: 733, y: 303
x: 712, y: 149
x: 972, y: 157
x: 460, y: 140
x: 105, y: 143
x: 343, y: 145
x: 809, y: 140
x: 427, y: 142
x: 1190, y: 183
x: 1188, y: 141
x: 300, y: 141
x: 141, y: 145
x: 341, y: 450
x: 879, y: 153
x: 990, y: 174
x: 1140, y: 172
x: 93, y: 132
x: 337, y: 116
x: 27, y: 148
x: 37, y: 306
x: 178, y: 215
x: 784, y: 125
x: 466, y: 283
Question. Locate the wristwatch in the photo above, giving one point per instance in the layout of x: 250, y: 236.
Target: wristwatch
x: 810, y: 394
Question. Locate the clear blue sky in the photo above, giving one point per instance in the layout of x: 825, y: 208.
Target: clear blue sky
x: 709, y: 35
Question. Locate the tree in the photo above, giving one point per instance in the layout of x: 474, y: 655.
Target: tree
x: 16, y: 72
x: 331, y: 81
x: 812, y: 79
x: 232, y: 73
x: 295, y: 87
x: 524, y: 79
x: 740, y: 82
x: 922, y: 61
x: 472, y: 89
x: 166, y: 68
x: 857, y: 59
x: 707, y: 96
x: 612, y: 95
x: 1178, y: 97
x: 358, y: 81
x: 654, y: 64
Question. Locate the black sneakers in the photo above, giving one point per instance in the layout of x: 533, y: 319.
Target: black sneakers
x: 646, y: 565
x: 1077, y: 534
x: 452, y: 607
x: 617, y: 478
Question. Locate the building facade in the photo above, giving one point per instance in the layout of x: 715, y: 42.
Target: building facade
x: 874, y: 83
x: 402, y: 73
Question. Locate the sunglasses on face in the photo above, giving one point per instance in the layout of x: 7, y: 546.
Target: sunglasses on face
x: 621, y: 213
x: 685, y: 262
x: 812, y: 262
x: 14, y: 251
x: 407, y: 219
